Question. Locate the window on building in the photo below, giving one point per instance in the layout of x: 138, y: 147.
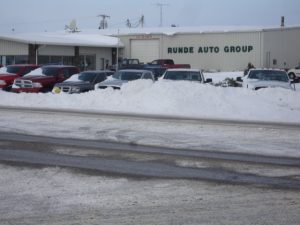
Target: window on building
x: 21, y: 59
x: 56, y: 60
x: 87, y: 62
x: 68, y: 60
x: 10, y: 60
x: 43, y: 59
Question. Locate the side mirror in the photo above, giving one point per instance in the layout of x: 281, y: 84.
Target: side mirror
x: 239, y: 79
x: 208, y: 80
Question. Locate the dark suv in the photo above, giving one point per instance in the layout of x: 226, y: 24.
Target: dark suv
x: 85, y: 81
x: 12, y: 72
x: 44, y: 78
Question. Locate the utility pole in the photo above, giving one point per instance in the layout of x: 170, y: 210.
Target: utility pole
x: 161, y: 5
x: 103, y: 22
x: 142, y: 21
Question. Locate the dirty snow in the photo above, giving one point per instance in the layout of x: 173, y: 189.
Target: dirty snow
x: 186, y: 99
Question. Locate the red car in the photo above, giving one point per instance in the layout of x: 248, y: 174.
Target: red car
x: 44, y: 78
x: 10, y: 73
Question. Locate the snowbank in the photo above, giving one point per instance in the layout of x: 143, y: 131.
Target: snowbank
x: 176, y: 99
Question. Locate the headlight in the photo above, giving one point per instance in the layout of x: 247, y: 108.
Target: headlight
x: 75, y: 89
x: 37, y: 85
x: 56, y: 90
x: 2, y: 82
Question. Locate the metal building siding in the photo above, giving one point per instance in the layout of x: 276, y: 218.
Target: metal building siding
x: 215, y: 61
x: 281, y: 46
x: 56, y: 50
x: 13, y: 48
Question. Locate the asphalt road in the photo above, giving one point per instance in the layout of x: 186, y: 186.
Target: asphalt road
x: 112, y: 158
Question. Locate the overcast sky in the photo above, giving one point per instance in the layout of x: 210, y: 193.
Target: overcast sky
x: 53, y: 15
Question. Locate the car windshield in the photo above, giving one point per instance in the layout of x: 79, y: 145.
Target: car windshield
x: 127, y: 75
x: 13, y: 69
x: 50, y: 71
x: 183, y: 75
x: 86, y: 76
x: 269, y: 75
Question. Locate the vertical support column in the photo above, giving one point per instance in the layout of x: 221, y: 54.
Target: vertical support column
x: 32, y: 53
x: 114, y: 56
x: 76, y: 56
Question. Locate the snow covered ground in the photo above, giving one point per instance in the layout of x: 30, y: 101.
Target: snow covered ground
x: 177, y: 99
x: 62, y: 197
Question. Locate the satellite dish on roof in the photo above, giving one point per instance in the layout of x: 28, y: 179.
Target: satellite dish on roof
x: 72, y: 28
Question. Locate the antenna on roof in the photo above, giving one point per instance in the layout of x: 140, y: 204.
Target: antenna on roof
x: 140, y: 22
x: 161, y: 5
x: 103, y: 22
x: 282, y: 22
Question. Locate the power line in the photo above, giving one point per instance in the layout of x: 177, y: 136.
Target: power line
x: 45, y: 21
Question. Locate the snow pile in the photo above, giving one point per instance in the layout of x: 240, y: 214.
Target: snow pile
x: 36, y: 72
x: 3, y: 70
x: 180, y: 98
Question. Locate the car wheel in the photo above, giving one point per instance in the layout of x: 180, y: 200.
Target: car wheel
x: 292, y: 76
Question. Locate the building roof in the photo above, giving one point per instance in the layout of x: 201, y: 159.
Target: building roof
x: 65, y: 39
x: 186, y: 30
x: 105, y: 37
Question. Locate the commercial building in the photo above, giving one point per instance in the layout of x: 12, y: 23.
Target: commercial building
x: 223, y: 49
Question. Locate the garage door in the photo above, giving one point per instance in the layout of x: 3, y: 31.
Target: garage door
x: 145, y: 50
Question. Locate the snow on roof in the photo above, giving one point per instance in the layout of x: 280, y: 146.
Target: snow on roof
x: 65, y: 38
x: 185, y: 30
x: 103, y: 38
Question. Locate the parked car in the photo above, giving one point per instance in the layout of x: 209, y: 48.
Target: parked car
x: 167, y: 63
x: 83, y: 82
x: 265, y: 78
x: 159, y: 66
x: 185, y: 75
x: 9, y: 73
x: 124, y: 76
x: 44, y: 78
x: 294, y: 73
x: 134, y: 64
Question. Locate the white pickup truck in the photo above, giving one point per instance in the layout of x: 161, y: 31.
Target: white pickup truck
x: 294, y: 73
x: 185, y: 75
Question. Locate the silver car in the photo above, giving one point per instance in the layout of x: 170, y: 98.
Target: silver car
x: 124, y: 76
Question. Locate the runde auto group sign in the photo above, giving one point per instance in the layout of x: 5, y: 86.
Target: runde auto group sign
x: 211, y: 49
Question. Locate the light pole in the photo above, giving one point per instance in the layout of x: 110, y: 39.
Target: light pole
x: 117, y: 60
